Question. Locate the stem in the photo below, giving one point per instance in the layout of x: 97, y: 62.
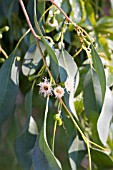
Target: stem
x: 69, y: 20
x: 89, y: 155
x: 72, y: 118
x: 35, y: 35
x: 3, y: 52
x: 21, y: 39
x: 37, y: 42
x: 86, y: 140
x: 53, y: 139
x: 27, y: 19
x: 77, y: 52
x: 45, y: 12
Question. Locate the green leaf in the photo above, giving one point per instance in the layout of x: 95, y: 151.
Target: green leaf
x: 75, y: 15
x: 104, y: 48
x: 76, y: 152
x: 68, y: 68
x: 78, y: 102
x: 30, y: 8
x: 48, y: 45
x: 40, y: 7
x: 9, y: 81
x: 99, y: 69
x: 105, y: 117
x: 8, y: 87
x: 101, y: 159
x: 92, y: 100
x: 39, y: 160
x: 109, y: 76
x: 33, y: 59
x: 105, y: 25
x: 25, y: 142
x: 92, y: 94
x: 90, y: 13
x: 10, y: 6
x: 43, y: 157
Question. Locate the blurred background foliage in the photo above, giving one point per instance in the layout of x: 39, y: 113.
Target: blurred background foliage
x: 96, y: 17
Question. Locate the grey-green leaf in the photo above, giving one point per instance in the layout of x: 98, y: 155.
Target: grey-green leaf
x: 76, y: 152
x: 99, y: 69
x: 75, y: 14
x: 25, y: 142
x: 105, y: 117
x: 101, y: 159
x: 33, y: 59
x: 92, y: 94
x: 68, y: 68
x: 48, y: 45
x: 43, y: 157
x: 92, y: 100
x: 8, y: 87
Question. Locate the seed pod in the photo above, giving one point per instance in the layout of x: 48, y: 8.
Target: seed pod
x: 56, y: 117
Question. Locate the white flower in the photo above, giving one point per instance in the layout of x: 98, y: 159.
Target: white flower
x: 61, y: 45
x: 45, y: 88
x: 69, y: 84
x: 59, y: 92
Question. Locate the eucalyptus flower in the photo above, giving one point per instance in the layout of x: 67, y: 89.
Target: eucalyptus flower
x: 45, y: 88
x: 58, y: 92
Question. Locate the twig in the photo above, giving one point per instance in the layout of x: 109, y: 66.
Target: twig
x: 3, y: 52
x: 35, y: 35
x: 27, y: 19
x: 67, y: 18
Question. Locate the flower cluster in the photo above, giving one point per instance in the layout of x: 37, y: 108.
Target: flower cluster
x: 46, y: 88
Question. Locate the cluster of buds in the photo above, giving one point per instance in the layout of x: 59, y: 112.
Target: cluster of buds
x: 46, y: 88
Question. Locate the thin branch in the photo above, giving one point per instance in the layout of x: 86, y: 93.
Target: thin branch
x: 3, y: 52
x: 35, y: 35
x: 27, y: 19
x: 53, y: 138
x: 86, y: 140
x: 67, y: 18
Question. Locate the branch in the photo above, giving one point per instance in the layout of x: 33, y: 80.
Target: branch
x: 27, y: 19
x: 67, y: 18
x: 35, y: 36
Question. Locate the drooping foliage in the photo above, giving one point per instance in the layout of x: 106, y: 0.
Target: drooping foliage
x: 56, y: 79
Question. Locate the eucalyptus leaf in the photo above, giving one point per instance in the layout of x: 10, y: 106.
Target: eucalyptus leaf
x: 101, y: 159
x: 90, y: 13
x: 48, y: 46
x: 10, y: 6
x: 104, y: 25
x: 92, y: 94
x: 25, y: 142
x: 76, y: 14
x: 68, y: 69
x: 99, y: 69
x: 8, y: 87
x: 76, y: 152
x: 92, y: 98
x: 109, y: 77
x: 105, y: 117
x: 33, y: 59
x: 43, y: 157
x: 40, y: 7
